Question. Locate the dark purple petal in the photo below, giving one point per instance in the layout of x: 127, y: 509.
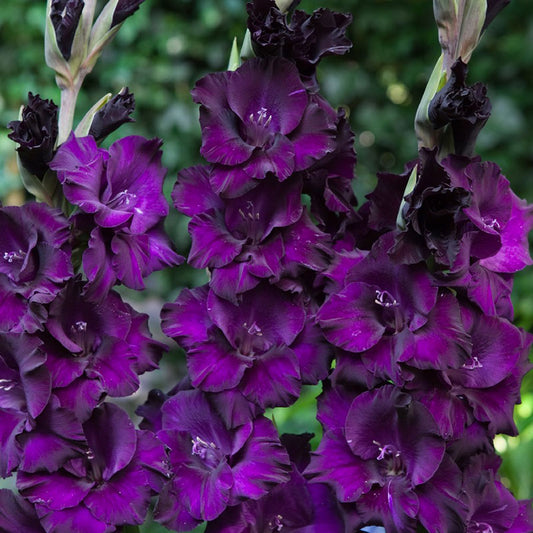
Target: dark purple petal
x: 274, y: 379
x: 192, y: 193
x: 74, y: 520
x: 278, y: 321
x: 212, y: 244
x: 12, y: 423
x: 349, y: 318
x: 65, y: 16
x: 263, y: 463
x: 55, y: 491
x: 124, y: 9
x: 57, y: 436
x: 215, y: 366
x: 273, y: 86
x: 123, y: 499
x: 112, y: 439
x: 187, y: 319
x: 17, y: 515
x: 333, y: 463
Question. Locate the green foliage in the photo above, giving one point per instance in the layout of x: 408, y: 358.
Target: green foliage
x: 167, y: 45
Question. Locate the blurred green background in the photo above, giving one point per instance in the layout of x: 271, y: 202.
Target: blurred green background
x: 168, y: 44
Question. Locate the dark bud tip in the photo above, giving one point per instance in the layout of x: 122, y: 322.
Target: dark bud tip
x: 65, y: 16
x: 124, y: 9
x: 115, y: 113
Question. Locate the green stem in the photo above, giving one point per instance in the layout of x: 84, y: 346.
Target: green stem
x: 69, y: 96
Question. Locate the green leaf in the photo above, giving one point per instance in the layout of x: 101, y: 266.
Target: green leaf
x: 427, y: 136
x: 85, y: 123
x: 234, y: 58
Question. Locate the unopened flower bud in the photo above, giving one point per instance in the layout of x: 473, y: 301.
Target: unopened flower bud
x: 124, y: 9
x: 36, y: 133
x: 113, y: 114
x: 65, y: 16
x: 465, y: 108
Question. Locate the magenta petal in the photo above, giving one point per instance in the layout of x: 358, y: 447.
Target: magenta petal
x: 264, y: 463
x: 273, y: 85
x: 17, y: 515
x: 56, y: 491
x: 113, y: 365
x: 186, y: 319
x: 333, y: 463
x: 349, y: 320
x: 274, y: 380
x: 74, y: 520
x: 115, y: 448
x: 192, y: 193
x: 278, y: 159
x: 123, y: 499
x: 215, y: 366
x: 212, y: 243
x: 11, y: 424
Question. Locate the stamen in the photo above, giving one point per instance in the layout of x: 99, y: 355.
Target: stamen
x: 200, y: 447
x: 276, y: 523
x: 14, y: 256
x: 491, y: 223
x: 473, y: 363
x: 385, y: 299
x: 6, y: 384
x: 79, y: 327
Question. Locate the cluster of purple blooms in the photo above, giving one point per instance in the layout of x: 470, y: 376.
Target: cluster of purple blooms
x: 401, y: 309
x: 68, y: 340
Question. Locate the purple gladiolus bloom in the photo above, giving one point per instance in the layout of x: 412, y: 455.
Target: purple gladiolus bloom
x: 259, y: 119
x: 34, y: 264
x: 36, y: 134
x: 296, y: 506
x: 391, y: 314
x: 122, y: 187
x: 96, y: 349
x: 383, y: 451
x: 491, y: 506
x: 265, y: 353
x: 108, y: 485
x: 214, y: 467
x: 120, y: 255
